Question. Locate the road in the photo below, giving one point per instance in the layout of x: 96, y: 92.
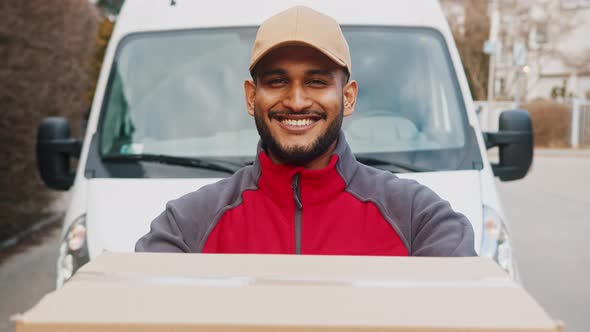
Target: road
x: 548, y: 213
x: 549, y: 218
x: 26, y: 277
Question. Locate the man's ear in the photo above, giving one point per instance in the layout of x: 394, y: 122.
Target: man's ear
x: 350, y: 93
x: 250, y: 93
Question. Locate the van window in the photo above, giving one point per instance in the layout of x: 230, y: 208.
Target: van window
x: 180, y: 93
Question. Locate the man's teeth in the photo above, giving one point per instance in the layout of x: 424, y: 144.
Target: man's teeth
x: 304, y: 122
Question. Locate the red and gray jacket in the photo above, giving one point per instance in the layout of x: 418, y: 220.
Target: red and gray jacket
x: 346, y: 208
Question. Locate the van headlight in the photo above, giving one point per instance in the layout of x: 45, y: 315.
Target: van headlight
x: 73, y: 251
x: 496, y: 242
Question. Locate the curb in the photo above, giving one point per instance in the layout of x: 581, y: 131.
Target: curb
x: 16, y: 239
x: 576, y: 153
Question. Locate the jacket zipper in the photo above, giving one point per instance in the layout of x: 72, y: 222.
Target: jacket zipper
x: 298, y: 207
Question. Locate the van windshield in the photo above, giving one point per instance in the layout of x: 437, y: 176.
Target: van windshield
x: 180, y: 94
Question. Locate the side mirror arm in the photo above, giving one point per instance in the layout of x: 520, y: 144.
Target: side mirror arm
x: 71, y: 147
x: 506, y: 137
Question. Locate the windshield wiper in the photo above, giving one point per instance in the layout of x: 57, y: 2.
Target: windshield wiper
x: 205, y: 163
x: 400, y: 166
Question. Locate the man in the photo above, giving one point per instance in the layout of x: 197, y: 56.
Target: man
x: 306, y: 193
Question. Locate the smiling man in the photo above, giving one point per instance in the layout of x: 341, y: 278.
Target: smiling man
x: 298, y: 98
x: 306, y: 193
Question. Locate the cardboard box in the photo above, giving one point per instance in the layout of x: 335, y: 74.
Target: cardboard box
x: 247, y: 293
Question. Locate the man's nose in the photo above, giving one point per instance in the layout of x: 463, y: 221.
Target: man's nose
x: 297, y: 99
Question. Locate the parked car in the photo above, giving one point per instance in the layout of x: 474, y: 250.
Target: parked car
x: 169, y: 117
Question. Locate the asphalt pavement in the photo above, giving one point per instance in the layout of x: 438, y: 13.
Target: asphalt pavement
x: 27, y: 276
x: 549, y: 222
x: 549, y: 219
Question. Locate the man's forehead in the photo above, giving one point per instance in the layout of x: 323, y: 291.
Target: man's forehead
x: 305, y: 58
x: 278, y: 70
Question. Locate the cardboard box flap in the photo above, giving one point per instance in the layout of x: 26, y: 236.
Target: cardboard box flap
x: 293, y: 266
x: 278, y: 301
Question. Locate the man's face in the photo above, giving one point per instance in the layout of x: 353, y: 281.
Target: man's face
x: 298, y: 102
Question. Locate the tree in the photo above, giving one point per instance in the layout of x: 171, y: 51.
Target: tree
x: 110, y: 8
x: 470, y: 25
x: 45, y: 53
x: 544, y: 25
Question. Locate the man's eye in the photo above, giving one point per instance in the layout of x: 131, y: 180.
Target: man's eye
x: 276, y: 81
x: 317, y: 82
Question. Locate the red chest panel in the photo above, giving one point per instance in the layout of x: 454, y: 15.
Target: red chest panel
x: 342, y: 225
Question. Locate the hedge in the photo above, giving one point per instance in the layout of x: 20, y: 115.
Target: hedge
x: 45, y: 52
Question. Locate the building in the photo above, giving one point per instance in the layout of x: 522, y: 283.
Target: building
x: 542, y: 49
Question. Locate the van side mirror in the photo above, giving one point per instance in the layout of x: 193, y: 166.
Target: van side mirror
x: 55, y: 148
x: 515, y: 141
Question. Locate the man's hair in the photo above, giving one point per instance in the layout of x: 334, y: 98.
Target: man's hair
x: 345, y: 75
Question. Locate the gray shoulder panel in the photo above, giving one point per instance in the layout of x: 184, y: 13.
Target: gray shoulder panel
x: 426, y: 223
x: 187, y: 221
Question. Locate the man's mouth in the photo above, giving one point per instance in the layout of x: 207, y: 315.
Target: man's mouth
x: 298, y: 120
x: 298, y: 124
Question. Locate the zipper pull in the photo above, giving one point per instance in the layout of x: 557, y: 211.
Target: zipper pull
x: 296, y: 192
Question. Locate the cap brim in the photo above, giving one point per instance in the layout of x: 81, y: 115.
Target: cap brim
x: 331, y: 56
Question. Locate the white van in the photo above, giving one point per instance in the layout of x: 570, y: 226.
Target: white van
x: 169, y: 117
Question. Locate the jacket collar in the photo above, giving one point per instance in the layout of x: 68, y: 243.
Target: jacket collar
x: 316, y: 186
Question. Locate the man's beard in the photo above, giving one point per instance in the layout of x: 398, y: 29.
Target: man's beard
x: 297, y: 155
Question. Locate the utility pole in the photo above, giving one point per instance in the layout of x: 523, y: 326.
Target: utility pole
x: 491, y: 49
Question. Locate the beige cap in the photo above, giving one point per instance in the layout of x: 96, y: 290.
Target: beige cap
x: 302, y: 26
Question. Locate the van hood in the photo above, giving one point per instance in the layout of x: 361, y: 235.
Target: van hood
x: 120, y: 210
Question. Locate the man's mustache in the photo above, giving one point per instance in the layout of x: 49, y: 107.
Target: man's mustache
x: 286, y: 113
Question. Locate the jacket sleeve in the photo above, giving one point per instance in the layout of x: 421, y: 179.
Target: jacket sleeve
x: 437, y: 230
x: 164, y: 236
x: 187, y: 220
